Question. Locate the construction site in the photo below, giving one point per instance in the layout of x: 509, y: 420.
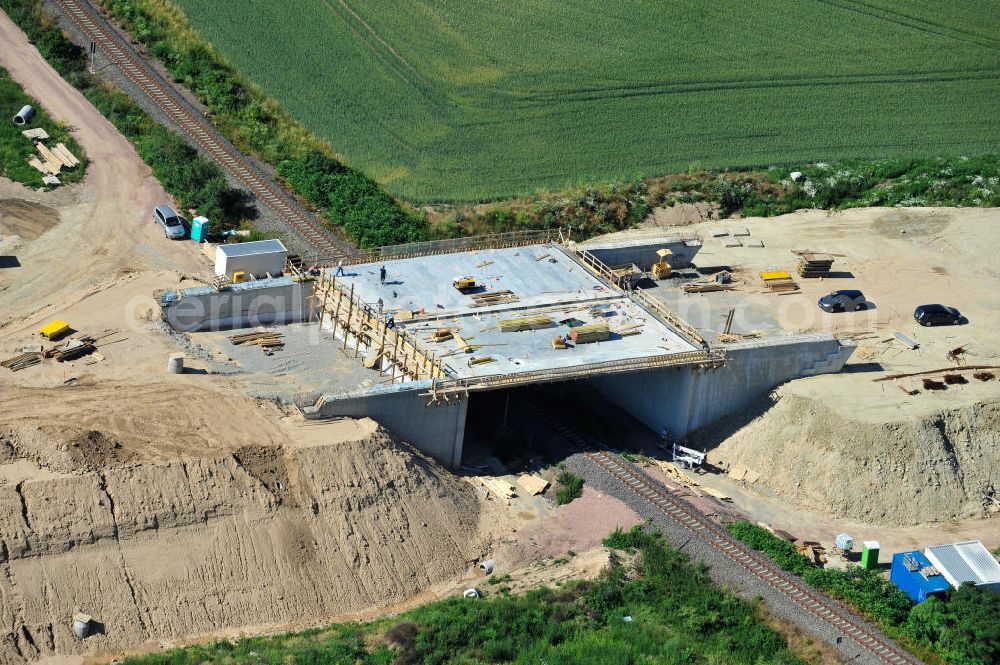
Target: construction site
x: 201, y: 442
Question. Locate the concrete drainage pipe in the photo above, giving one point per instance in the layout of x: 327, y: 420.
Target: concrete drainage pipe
x: 24, y: 115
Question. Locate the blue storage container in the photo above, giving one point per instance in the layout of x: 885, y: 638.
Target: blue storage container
x: 199, y: 229
x: 914, y: 574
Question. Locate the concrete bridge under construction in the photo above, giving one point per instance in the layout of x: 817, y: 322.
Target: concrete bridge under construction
x: 540, y: 311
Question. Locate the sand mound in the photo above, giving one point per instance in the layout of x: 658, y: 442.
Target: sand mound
x: 899, y: 472
x: 256, y: 537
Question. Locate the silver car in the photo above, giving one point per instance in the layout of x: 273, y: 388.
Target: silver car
x: 171, y: 223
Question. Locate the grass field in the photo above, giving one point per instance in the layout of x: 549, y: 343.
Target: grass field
x: 469, y: 99
x: 15, y: 149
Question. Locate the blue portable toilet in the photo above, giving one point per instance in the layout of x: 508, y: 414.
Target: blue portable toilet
x: 913, y: 573
x: 199, y: 229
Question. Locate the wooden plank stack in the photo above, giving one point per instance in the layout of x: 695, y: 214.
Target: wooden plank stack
x: 441, y: 335
x: 779, y: 281
x: 493, y: 298
x: 73, y: 349
x: 704, y: 286
x: 267, y: 340
x: 629, y: 329
x: 22, y: 361
x: 814, y: 265
x: 589, y: 333
x: 536, y: 322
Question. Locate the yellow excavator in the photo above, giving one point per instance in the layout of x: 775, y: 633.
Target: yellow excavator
x: 662, y: 269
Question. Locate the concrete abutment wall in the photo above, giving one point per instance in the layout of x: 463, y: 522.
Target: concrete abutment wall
x: 684, y: 399
x: 438, y: 430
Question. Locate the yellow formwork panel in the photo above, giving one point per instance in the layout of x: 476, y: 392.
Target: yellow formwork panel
x: 768, y: 275
x: 54, y: 329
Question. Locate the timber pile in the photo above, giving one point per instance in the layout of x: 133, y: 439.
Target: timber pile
x: 811, y: 550
x: 493, y: 298
x: 629, y: 329
x: 589, y: 333
x: 779, y: 281
x: 814, y: 265
x: 73, y: 349
x: 268, y: 341
x: 22, y: 361
x: 441, y: 335
x: 704, y: 286
x: 525, y: 323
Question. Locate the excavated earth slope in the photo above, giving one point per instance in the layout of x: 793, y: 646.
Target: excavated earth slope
x: 255, y: 537
x: 906, y: 471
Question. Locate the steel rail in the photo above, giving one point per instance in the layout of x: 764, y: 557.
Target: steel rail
x: 756, y: 563
x: 205, y: 136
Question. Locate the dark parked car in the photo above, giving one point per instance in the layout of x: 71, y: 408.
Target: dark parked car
x: 847, y: 300
x: 937, y: 315
x: 171, y: 223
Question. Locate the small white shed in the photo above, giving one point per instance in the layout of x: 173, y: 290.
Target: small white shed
x: 258, y: 258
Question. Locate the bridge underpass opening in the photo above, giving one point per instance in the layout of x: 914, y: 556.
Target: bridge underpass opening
x: 537, y: 425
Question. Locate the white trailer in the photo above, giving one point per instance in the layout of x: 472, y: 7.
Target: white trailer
x: 254, y: 259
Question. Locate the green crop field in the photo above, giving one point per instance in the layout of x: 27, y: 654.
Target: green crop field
x: 462, y: 100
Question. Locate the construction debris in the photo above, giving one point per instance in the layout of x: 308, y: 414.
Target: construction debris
x: 499, y: 488
x: 984, y: 376
x: 906, y: 341
x: 955, y: 379
x: 935, y: 371
x: 931, y: 384
x: 956, y: 355
x: 811, y: 550
x: 267, y: 340
x: 36, y: 134
x: 533, y: 485
x: 814, y: 265
x: 908, y: 391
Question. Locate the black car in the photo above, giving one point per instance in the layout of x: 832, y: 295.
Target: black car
x: 847, y: 300
x: 937, y: 315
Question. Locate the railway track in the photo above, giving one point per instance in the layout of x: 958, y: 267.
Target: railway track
x: 758, y: 564
x: 208, y: 139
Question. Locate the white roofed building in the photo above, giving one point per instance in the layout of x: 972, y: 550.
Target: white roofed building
x: 968, y: 561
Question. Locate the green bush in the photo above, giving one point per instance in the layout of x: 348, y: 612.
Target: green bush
x: 352, y: 201
x: 570, y: 487
x: 678, y: 615
x: 961, y: 628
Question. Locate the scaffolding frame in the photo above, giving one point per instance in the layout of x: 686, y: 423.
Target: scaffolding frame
x: 371, y: 331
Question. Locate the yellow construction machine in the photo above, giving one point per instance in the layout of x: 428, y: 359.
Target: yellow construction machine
x: 661, y: 269
x: 463, y: 284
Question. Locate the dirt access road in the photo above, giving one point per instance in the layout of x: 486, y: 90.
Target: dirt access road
x: 105, y: 229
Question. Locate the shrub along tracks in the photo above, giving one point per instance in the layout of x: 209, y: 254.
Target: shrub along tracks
x: 293, y: 214
x: 806, y: 600
x: 760, y: 565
